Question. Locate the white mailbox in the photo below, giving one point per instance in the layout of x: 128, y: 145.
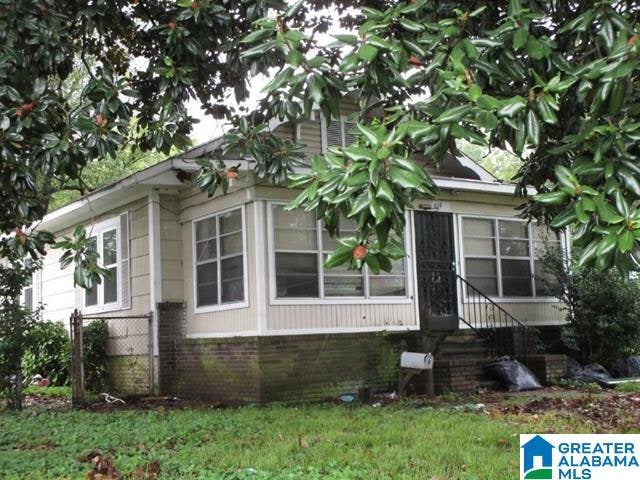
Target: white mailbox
x: 416, y: 361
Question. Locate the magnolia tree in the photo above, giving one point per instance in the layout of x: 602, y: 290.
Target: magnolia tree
x: 554, y: 82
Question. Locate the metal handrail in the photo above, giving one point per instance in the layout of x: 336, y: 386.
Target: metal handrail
x: 493, y: 323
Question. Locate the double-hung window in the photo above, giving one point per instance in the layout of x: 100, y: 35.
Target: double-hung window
x: 220, y: 259
x: 503, y: 257
x: 300, y: 247
x: 105, y: 239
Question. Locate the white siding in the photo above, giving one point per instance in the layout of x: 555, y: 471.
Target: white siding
x: 193, y: 205
x: 58, y: 293
x: 171, y: 249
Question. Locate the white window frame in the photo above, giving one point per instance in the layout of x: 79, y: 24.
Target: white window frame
x: 97, y: 230
x: 408, y: 298
x: 245, y: 260
x: 498, y: 257
x: 23, y: 294
x: 323, y: 130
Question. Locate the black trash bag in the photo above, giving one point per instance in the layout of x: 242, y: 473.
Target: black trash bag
x: 512, y: 375
x: 587, y: 374
x: 627, y: 368
x: 574, y: 369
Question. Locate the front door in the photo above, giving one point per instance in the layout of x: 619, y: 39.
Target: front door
x: 435, y: 259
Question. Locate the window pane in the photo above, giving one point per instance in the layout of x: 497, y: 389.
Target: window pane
x: 516, y: 287
x: 482, y: 274
x: 476, y: 227
x: 479, y: 246
x: 206, y: 250
x: 546, y: 283
x: 206, y: 228
x: 343, y: 286
x: 476, y: 267
x: 516, y: 278
x: 543, y: 234
x: 207, y: 280
x: 91, y: 297
x: 28, y: 298
x: 511, y: 229
x: 514, y: 248
x: 93, y: 244
x: 347, y: 229
x: 231, y: 244
x: 111, y: 286
x: 485, y: 285
x: 541, y: 248
x: 109, y: 248
x: 232, y: 280
x: 516, y: 268
x: 385, y: 286
x: 293, y: 219
x: 286, y: 239
x: 296, y: 275
x: 230, y: 222
x: 397, y: 266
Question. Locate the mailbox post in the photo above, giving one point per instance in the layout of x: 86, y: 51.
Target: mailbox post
x: 412, y: 364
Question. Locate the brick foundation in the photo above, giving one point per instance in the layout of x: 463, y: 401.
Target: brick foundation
x: 459, y: 376
x: 548, y: 368
x: 292, y: 368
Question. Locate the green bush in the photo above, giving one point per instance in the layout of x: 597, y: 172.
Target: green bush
x: 603, y: 310
x: 95, y: 337
x: 47, y: 353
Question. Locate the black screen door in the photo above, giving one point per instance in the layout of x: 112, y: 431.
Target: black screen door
x: 435, y: 259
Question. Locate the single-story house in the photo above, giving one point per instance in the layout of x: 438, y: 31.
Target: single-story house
x: 243, y: 310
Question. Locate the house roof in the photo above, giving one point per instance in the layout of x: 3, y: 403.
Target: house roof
x: 164, y: 175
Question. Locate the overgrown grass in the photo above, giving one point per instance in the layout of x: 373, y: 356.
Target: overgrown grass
x: 399, y: 442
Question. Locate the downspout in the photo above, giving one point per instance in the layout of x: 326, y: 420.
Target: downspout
x: 155, y: 275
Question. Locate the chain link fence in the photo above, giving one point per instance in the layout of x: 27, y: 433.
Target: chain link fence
x: 111, y: 354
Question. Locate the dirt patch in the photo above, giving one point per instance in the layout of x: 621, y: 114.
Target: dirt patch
x: 46, y: 402
x: 151, y: 403
x: 606, y: 412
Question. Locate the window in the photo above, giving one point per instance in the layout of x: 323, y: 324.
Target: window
x: 503, y: 257
x: 337, y: 133
x: 300, y: 246
x: 27, y: 291
x: 105, y: 240
x: 219, y: 259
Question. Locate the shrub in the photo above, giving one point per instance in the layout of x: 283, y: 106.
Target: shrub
x: 48, y: 353
x: 603, y: 310
x: 95, y: 337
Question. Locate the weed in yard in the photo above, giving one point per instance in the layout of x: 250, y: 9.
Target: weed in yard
x: 631, y: 387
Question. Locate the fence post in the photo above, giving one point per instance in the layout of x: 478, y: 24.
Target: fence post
x: 152, y: 385
x: 77, y: 364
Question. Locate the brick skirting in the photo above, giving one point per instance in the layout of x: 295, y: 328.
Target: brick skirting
x: 548, y: 368
x: 293, y: 368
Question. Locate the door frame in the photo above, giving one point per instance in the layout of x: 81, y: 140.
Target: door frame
x: 454, y: 236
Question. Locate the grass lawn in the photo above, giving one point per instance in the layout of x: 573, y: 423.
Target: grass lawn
x: 399, y: 441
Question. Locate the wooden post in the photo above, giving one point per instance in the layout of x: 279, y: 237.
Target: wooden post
x: 431, y: 343
x: 77, y: 364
